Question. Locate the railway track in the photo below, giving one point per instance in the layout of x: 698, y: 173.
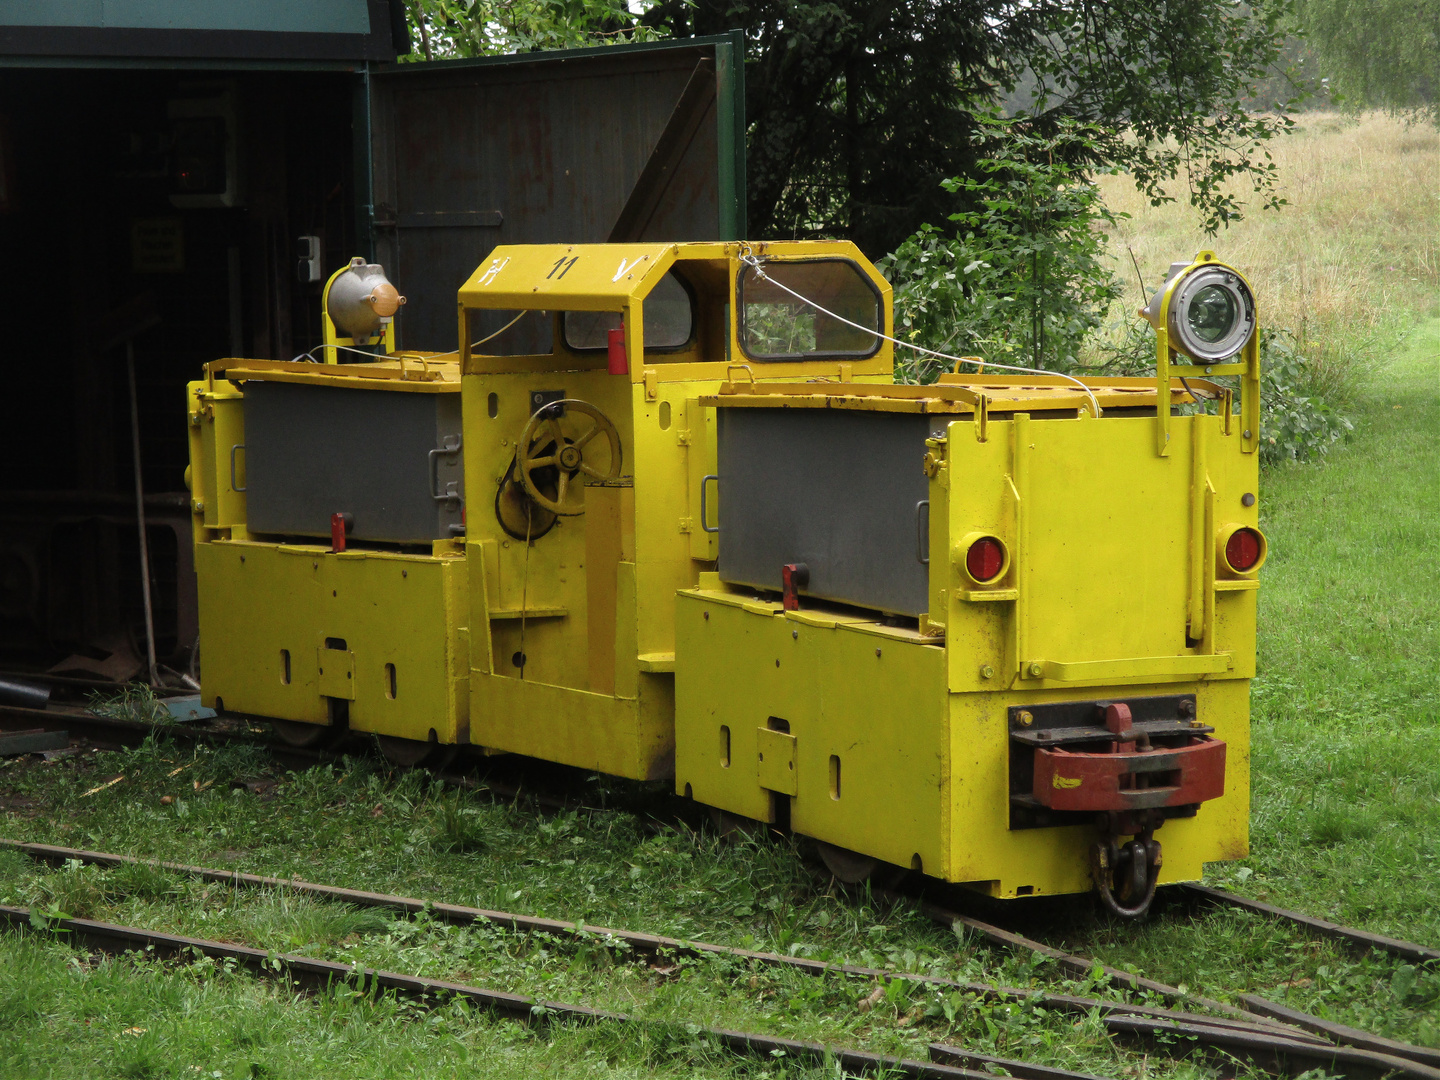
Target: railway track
x: 1283, y: 1039
x: 309, y: 971
x: 1258, y: 1029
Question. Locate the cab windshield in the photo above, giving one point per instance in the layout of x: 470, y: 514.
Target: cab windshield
x: 776, y: 324
x: 668, y: 316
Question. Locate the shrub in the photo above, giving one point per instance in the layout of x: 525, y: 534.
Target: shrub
x: 1021, y: 279
x: 1293, y: 426
x: 1022, y: 282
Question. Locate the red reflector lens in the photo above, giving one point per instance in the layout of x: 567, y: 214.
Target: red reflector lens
x: 1242, y: 550
x: 985, y: 558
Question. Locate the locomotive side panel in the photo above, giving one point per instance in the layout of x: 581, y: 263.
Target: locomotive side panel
x: 289, y: 628
x: 833, y: 722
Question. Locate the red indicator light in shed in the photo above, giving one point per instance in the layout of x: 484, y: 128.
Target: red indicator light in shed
x: 985, y: 559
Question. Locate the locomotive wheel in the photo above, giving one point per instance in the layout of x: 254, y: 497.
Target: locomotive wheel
x: 299, y: 734
x: 734, y: 827
x: 412, y: 753
x: 852, y: 868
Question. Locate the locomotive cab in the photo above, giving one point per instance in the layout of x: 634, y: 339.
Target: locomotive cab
x: 493, y: 579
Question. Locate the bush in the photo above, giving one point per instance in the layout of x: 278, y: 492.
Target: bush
x: 1021, y: 280
x: 1293, y: 426
x: 1296, y: 423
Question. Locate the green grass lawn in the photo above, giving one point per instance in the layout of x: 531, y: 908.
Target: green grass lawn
x: 1345, y: 812
x: 1346, y: 826
x: 1347, y: 704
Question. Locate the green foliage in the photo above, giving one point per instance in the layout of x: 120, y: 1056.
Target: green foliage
x: 1022, y: 281
x: 1380, y: 53
x: 857, y: 110
x: 1170, y: 87
x: 1294, y: 425
x: 444, y: 29
x: 135, y: 702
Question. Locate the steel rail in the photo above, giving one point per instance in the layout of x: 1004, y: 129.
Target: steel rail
x: 1292, y: 1023
x: 112, y: 732
x: 1076, y: 965
x: 308, y: 970
x: 1340, y: 1032
x: 642, y: 943
x: 1292, y: 1054
x: 1360, y: 939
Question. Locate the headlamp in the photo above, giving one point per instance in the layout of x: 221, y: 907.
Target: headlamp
x: 1211, y: 312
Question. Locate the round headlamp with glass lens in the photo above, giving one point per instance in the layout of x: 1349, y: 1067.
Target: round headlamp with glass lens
x: 1212, y: 314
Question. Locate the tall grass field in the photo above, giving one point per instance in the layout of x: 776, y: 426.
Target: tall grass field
x: 1347, y: 266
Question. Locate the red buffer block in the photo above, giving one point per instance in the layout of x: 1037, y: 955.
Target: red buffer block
x: 1133, y: 776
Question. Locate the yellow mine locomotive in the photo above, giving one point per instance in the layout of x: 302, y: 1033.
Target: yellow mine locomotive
x: 666, y: 514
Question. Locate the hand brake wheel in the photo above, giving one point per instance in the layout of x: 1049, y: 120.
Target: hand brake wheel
x: 543, y: 444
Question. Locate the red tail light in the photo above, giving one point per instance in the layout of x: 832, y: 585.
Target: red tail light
x: 1243, y: 550
x: 985, y: 559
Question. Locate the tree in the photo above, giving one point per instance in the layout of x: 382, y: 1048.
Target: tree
x: 858, y: 110
x: 442, y: 29
x: 1379, y: 53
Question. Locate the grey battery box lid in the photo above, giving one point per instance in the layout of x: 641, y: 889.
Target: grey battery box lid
x: 390, y: 459
x: 838, y: 490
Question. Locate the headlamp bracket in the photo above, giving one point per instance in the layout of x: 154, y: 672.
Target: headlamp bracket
x: 1237, y: 352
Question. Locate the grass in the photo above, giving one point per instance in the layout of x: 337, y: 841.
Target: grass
x: 1349, y: 806
x: 141, y: 1018
x: 610, y: 868
x: 1347, y: 265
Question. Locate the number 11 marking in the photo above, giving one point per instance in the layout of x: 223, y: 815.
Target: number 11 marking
x: 558, y: 264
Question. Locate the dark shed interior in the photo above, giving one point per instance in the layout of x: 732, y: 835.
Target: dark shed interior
x: 150, y: 213
x: 98, y: 254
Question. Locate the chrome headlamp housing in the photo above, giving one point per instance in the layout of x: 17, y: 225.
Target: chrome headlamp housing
x: 1211, y: 311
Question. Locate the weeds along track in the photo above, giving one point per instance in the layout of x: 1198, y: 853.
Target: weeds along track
x: 1272, y: 1036
x: 111, y: 733
x: 308, y: 971
x: 1259, y: 1029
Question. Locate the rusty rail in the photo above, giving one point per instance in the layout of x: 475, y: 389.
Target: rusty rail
x: 308, y: 970
x: 643, y: 943
x: 1296, y: 1023
x: 1362, y: 940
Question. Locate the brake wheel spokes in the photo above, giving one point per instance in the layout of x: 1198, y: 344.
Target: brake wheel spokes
x: 544, y: 444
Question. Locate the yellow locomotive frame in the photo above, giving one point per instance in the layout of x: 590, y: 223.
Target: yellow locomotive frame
x: 614, y: 642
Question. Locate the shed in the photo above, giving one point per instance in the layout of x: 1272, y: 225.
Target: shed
x: 162, y: 166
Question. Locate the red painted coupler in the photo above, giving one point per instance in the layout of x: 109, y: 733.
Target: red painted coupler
x: 1131, y: 779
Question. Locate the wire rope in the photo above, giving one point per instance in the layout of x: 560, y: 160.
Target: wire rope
x: 755, y: 264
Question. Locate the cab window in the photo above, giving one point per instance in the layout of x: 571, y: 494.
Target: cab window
x: 776, y: 325
x: 668, y: 313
